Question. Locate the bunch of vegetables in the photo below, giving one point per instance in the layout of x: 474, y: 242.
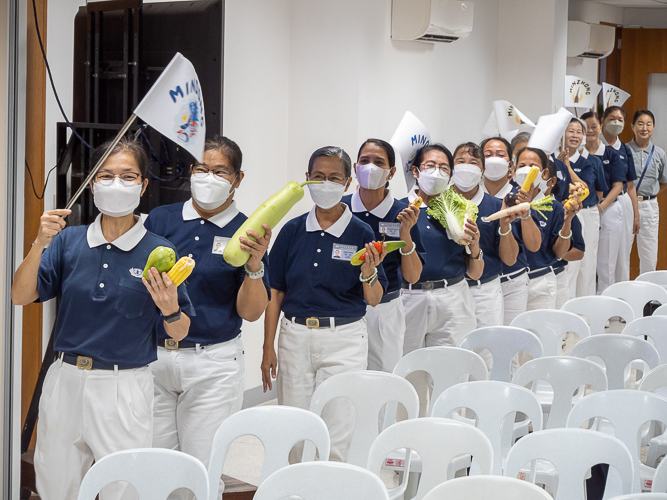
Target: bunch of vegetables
x: 452, y: 210
x: 164, y: 260
x: 511, y: 198
x: 360, y: 257
x: 578, y: 191
x: 540, y: 206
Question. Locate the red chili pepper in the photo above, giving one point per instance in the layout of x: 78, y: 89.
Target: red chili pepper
x: 378, y: 247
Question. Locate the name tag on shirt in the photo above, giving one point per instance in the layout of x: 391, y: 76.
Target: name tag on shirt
x: 343, y: 252
x: 390, y: 228
x: 219, y: 244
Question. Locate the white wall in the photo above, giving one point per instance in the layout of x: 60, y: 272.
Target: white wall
x: 646, y: 18
x: 593, y: 12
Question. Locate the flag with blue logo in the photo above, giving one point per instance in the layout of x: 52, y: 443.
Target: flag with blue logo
x: 410, y: 135
x: 174, y: 106
x: 613, y: 96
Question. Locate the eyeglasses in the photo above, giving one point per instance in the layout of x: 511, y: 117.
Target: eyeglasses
x: 224, y: 173
x: 338, y: 179
x: 430, y: 165
x: 108, y: 177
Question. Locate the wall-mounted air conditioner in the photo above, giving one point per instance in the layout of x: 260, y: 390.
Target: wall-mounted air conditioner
x: 431, y: 20
x: 590, y: 41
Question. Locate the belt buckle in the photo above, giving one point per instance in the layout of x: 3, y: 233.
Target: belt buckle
x: 640, y: 198
x: 312, y: 322
x: 427, y: 285
x: 171, y: 344
x: 84, y: 362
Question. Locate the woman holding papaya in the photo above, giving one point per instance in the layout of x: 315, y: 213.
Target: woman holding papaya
x: 391, y: 220
x: 98, y: 396
x: 200, y: 382
x: 322, y: 295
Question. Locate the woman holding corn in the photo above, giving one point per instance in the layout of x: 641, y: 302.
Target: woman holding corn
x: 199, y: 382
x: 98, y: 395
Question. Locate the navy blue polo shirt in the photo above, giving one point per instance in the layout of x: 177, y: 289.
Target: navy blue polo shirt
x: 591, y: 172
x: 564, y: 179
x: 105, y: 311
x: 614, y: 168
x: 576, y: 241
x: 446, y: 258
x: 312, y: 267
x: 489, y: 237
x: 213, y: 285
x: 549, y: 228
x: 382, y: 220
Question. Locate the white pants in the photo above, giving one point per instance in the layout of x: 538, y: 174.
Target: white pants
x: 625, y: 246
x: 489, y: 305
x: 85, y: 415
x: 195, y: 391
x: 515, y: 295
x: 647, y: 239
x: 306, y: 358
x: 386, y: 333
x: 562, y: 287
x: 581, y: 274
x: 611, y: 228
x: 542, y: 292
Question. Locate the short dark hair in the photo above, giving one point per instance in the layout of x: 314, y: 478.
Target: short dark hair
x: 331, y: 151
x: 421, y: 152
x: 388, y: 149
x: 228, y: 148
x: 125, y: 145
x: 541, y: 155
x: 611, y: 109
x: 505, y: 142
x: 641, y: 112
x: 473, y: 149
x: 590, y: 114
x: 551, y: 168
x: 520, y: 137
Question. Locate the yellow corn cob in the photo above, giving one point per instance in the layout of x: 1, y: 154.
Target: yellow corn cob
x: 181, y: 270
x: 530, y: 178
x: 418, y: 202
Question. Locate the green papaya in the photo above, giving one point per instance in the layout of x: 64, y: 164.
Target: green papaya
x: 359, y: 257
x: 162, y: 259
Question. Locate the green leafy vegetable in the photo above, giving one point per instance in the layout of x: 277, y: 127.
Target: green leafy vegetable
x: 543, y: 205
x: 451, y: 210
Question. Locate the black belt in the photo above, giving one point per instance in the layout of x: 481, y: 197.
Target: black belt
x: 86, y: 363
x: 539, y: 273
x: 481, y: 282
x: 388, y: 297
x: 559, y: 270
x: 172, y: 344
x: 324, y: 322
x: 646, y: 198
x: 505, y: 279
x: 432, y: 285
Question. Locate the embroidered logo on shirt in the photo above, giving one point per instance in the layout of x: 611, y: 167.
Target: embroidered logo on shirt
x: 577, y: 170
x: 605, y: 162
x: 543, y: 224
x: 136, y: 272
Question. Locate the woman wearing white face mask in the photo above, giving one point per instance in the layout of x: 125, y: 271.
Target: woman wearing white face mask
x: 98, y: 395
x: 391, y: 220
x: 200, y: 382
x: 323, y: 297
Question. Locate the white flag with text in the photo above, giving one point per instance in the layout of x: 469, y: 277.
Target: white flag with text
x: 410, y: 135
x: 613, y: 96
x: 510, y: 119
x: 580, y: 93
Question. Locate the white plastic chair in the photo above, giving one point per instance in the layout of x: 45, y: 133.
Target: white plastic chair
x: 627, y: 411
x: 661, y: 311
x: 437, y: 441
x: 485, y: 488
x: 493, y: 402
x: 655, y: 381
x: 598, y: 310
x: 322, y: 481
x: 503, y: 342
x: 564, y: 374
x: 279, y: 428
x: 637, y: 294
x: 369, y: 391
x: 642, y: 496
x: 154, y: 472
x: 617, y: 352
x: 551, y: 326
x: 654, y: 327
x: 660, y: 478
x: 572, y: 452
x: 657, y: 277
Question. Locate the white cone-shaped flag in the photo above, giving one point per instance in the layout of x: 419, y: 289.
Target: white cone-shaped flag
x: 613, y: 96
x: 549, y: 130
x: 491, y: 126
x: 410, y: 135
x: 510, y: 119
x: 174, y: 106
x: 580, y: 93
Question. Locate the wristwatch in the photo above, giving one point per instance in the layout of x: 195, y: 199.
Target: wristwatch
x: 479, y: 257
x: 173, y: 317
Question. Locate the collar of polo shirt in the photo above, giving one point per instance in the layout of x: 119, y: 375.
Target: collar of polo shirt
x: 633, y: 145
x: 380, y: 211
x: 412, y: 196
x: 126, y: 242
x: 600, y: 150
x: 337, y: 229
x: 220, y: 220
x: 479, y: 196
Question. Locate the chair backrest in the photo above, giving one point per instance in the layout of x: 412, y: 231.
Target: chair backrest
x: 655, y: 381
x: 492, y: 402
x: 642, y: 496
x: 657, y: 277
x: 661, y: 311
x: 626, y: 410
x: 654, y: 327
x: 616, y: 351
x: 279, y: 428
x: 154, y: 472
x: 660, y: 478
x: 565, y: 374
x: 446, y: 366
x: 551, y: 326
x: 437, y: 441
x: 369, y: 391
x: 503, y: 342
x: 485, y: 488
x: 572, y: 452
x: 598, y: 309
x: 322, y: 481
x: 637, y: 294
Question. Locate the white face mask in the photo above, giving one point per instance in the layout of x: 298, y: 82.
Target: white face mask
x: 326, y: 195
x: 371, y: 176
x: 209, y: 191
x: 495, y: 168
x: 614, y: 127
x: 118, y: 198
x: 433, y: 181
x: 466, y: 176
x: 542, y: 184
x: 521, y: 174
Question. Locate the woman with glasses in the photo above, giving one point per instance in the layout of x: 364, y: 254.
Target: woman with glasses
x: 98, y: 395
x: 323, y: 297
x: 391, y: 220
x: 199, y: 382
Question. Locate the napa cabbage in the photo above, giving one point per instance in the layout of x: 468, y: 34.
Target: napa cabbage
x: 451, y: 210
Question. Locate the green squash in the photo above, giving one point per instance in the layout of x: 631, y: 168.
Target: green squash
x: 162, y: 259
x: 356, y: 259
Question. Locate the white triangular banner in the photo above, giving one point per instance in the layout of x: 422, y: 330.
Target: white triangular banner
x: 613, y: 96
x: 549, y: 130
x: 509, y: 118
x: 410, y: 135
x: 580, y: 93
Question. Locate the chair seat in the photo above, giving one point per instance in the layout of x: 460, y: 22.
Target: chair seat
x: 657, y: 447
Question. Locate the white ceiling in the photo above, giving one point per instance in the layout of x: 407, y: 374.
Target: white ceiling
x: 636, y: 3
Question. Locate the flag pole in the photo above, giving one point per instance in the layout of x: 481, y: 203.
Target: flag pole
x: 101, y: 161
